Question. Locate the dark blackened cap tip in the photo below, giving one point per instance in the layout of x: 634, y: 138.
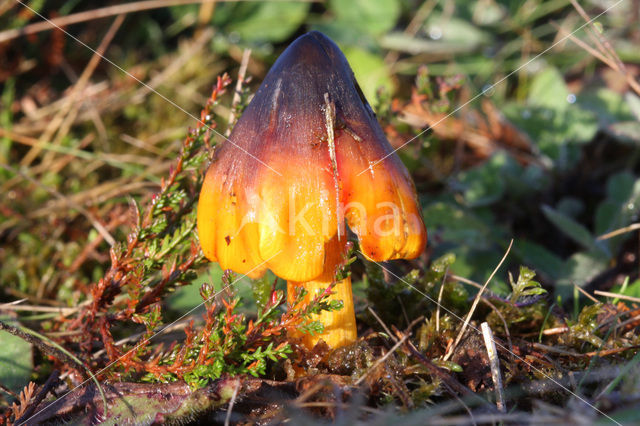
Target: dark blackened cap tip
x: 318, y: 37
x: 313, y: 45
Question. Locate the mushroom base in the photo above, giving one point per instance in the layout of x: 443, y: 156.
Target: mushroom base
x: 339, y: 326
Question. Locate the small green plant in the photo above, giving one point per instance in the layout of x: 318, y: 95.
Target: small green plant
x: 524, y: 286
x: 585, y: 328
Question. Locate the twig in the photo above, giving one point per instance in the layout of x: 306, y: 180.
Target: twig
x: 31, y: 308
x: 343, y: 405
x: 386, y: 329
x: 604, y: 52
x: 504, y: 321
x: 31, y: 337
x: 194, y: 47
x: 607, y: 352
x: 227, y: 419
x: 134, y: 337
x: 606, y: 307
x: 330, y: 120
x: 413, y: 323
x: 44, y: 390
x: 412, y: 29
x: 475, y: 304
x: 586, y: 294
x: 205, y: 13
x: 465, y: 280
x: 598, y: 38
x: 627, y: 322
x: 96, y: 224
x: 599, y: 353
x: 444, y: 279
x: 494, y: 362
x: 615, y: 295
x: 433, y: 369
x: 55, y: 350
x: 620, y: 231
x: 382, y: 359
x: 66, y: 115
x: 404, y: 311
x: 310, y: 392
x: 104, y: 12
x: 556, y: 330
x: 593, y: 52
x: 472, y: 418
x: 237, y: 93
x: 5, y: 389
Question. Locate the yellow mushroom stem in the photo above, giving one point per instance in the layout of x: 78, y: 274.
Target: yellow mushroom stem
x: 339, y: 326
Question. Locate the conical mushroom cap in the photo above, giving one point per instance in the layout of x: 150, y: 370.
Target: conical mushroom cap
x: 302, y: 158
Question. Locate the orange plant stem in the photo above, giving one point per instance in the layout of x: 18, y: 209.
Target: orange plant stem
x: 339, y: 326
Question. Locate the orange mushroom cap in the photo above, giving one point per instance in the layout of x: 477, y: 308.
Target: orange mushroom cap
x: 303, y: 158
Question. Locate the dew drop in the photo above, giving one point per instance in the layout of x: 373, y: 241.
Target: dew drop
x: 435, y: 33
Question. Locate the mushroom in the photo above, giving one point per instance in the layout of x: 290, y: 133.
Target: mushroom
x: 306, y: 156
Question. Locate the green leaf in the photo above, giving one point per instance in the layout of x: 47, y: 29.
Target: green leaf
x: 557, y: 132
x: 370, y: 70
x: 500, y: 175
x: 373, y: 17
x: 608, y: 106
x: 620, y: 207
x: 632, y: 289
x: 579, y: 269
x: 16, y: 360
x: 455, y: 32
x: 541, y: 259
x: 457, y: 226
x: 549, y: 90
x: 620, y: 186
x: 574, y: 230
x: 487, y: 13
x: 413, y: 45
x: 607, y: 214
x: 552, y: 120
x: 633, y: 101
x: 266, y: 21
x: 570, y: 206
x: 627, y: 131
x: 485, y: 184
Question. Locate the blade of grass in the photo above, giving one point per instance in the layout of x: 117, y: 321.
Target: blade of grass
x: 624, y: 372
x: 96, y: 224
x: 52, y: 348
x: 61, y: 123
